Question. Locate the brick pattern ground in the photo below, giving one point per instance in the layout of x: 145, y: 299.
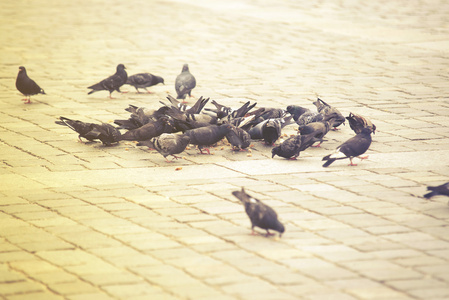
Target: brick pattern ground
x: 91, y: 222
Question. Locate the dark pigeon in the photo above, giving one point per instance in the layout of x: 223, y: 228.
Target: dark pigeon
x: 318, y: 129
x: 296, y: 111
x: 144, y: 81
x: 326, y: 109
x: 260, y: 214
x: 27, y: 86
x: 106, y: 133
x: 170, y: 144
x: 209, y: 135
x: 112, y: 83
x: 354, y: 147
x: 238, y: 138
x: 289, y: 149
x: 269, y: 130
x: 442, y: 190
x: 358, y: 122
x: 82, y: 128
x: 184, y: 83
x: 147, y: 131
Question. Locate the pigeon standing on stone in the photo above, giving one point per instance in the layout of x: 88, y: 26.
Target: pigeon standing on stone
x: 209, y: 135
x: 112, y: 83
x: 27, y: 86
x: 289, y: 149
x: 170, y: 144
x: 184, y: 83
x: 326, y: 109
x: 238, y: 138
x: 82, y: 128
x: 148, y: 131
x: 354, y: 147
x: 260, y: 214
x: 442, y: 190
x: 144, y: 81
x: 358, y: 122
x: 104, y: 132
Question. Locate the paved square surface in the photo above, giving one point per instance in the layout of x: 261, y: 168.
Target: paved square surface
x: 84, y: 221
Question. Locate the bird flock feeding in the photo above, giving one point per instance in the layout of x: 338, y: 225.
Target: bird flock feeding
x: 174, y: 125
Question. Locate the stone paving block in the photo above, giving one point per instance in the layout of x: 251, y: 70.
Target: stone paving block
x: 38, y: 296
x: 9, y: 288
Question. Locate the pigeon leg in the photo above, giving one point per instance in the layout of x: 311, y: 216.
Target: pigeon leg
x: 268, y: 233
x: 149, y: 92
x: 254, y: 232
x: 317, y: 146
x: 363, y: 157
x: 292, y: 158
x: 351, y: 163
x: 28, y: 101
x: 335, y: 129
x: 207, y: 150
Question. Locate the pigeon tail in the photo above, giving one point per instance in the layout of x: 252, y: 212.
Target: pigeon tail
x: 329, y: 161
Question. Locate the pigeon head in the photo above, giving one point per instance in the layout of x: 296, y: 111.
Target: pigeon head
x: 280, y: 228
x: 22, y: 70
x: 275, y: 151
x: 366, y: 130
x: 121, y: 67
x: 185, y: 68
x: 158, y: 79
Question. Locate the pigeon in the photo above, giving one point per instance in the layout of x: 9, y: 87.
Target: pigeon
x: 358, y: 122
x: 442, y: 190
x: 104, y: 132
x: 112, y: 83
x: 143, y: 81
x: 269, y: 130
x: 195, y: 109
x: 147, y: 131
x: 184, y: 83
x: 27, y: 86
x: 309, y: 117
x: 238, y: 138
x: 170, y: 144
x: 289, y: 148
x: 354, y: 147
x: 260, y: 214
x: 205, y: 136
x: 318, y: 129
x: 326, y: 109
x: 296, y: 111
x: 80, y: 127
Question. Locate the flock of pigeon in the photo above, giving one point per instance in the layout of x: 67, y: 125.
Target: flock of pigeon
x: 173, y: 126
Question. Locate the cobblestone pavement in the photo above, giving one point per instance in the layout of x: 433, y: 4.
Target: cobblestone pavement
x: 83, y: 221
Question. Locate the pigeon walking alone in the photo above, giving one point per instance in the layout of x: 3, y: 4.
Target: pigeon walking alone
x: 354, y: 147
x: 260, y: 214
x: 27, y: 86
x: 144, y: 81
x: 184, y: 83
x: 112, y: 83
x: 442, y: 190
x: 170, y: 144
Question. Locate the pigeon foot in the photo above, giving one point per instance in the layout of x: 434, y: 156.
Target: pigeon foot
x: 363, y: 157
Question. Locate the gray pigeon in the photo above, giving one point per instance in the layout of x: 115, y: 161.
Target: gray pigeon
x: 238, y: 138
x: 354, y: 147
x: 260, y: 214
x: 442, y: 190
x: 170, y: 144
x: 112, y: 83
x: 185, y: 83
x: 143, y: 81
x: 208, y: 135
x: 289, y: 149
x: 326, y: 109
x: 27, y: 86
x: 148, y: 131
